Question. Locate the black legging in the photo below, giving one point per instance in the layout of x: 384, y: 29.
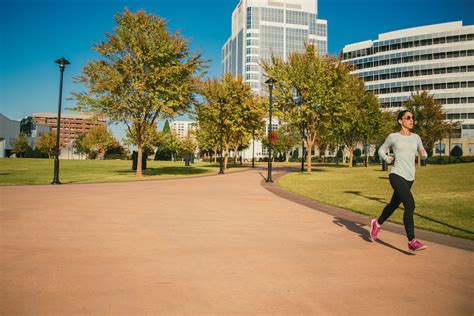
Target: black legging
x: 401, y: 194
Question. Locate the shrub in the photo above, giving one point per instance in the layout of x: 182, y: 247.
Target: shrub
x: 357, y: 152
x: 456, y: 151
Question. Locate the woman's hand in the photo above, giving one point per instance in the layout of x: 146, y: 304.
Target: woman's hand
x: 423, y: 153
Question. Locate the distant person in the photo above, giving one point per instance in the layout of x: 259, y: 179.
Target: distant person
x: 405, y: 145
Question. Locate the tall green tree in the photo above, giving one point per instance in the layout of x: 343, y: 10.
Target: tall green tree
x: 21, y: 146
x: 363, y: 121
x: 186, y: 147
x: 144, y: 73
x: 166, y: 127
x: 46, y: 144
x: 241, y: 111
x: 430, y: 119
x: 285, y: 139
x: 95, y: 142
x: 315, y: 79
x: 167, y: 144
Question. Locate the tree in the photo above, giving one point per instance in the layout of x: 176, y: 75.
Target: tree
x: 144, y: 73
x: 27, y: 125
x: 456, y: 151
x: 430, y: 118
x: 46, y: 143
x: 167, y: 146
x: 315, y: 79
x: 241, y: 111
x: 166, y: 127
x: 95, y: 142
x: 116, y: 151
x: 20, y: 146
x: 208, y: 140
x: 149, y: 138
x: 99, y: 139
x: 285, y: 139
x: 186, y: 148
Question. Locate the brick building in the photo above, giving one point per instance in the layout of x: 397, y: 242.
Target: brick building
x: 72, y: 125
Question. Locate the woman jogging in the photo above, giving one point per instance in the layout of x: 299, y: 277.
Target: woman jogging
x: 404, y: 144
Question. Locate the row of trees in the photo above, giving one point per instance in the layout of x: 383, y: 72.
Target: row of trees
x: 99, y: 143
x: 230, y: 105
x: 332, y: 106
x: 146, y: 73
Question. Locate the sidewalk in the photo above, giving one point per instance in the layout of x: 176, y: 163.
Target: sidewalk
x: 219, y: 245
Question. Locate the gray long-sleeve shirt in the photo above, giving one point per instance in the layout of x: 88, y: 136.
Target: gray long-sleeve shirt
x: 404, y: 149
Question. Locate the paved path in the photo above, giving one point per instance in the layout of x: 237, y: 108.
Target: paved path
x: 220, y: 245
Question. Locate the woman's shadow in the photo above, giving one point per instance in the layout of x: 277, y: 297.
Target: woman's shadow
x: 364, y: 233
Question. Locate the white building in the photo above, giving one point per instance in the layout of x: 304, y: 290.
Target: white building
x: 9, y: 131
x: 182, y: 128
x: 261, y: 28
x: 438, y: 58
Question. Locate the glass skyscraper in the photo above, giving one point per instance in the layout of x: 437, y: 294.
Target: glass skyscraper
x: 438, y: 58
x: 263, y: 27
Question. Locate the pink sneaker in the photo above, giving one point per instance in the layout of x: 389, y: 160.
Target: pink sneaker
x: 415, y: 245
x: 374, y: 229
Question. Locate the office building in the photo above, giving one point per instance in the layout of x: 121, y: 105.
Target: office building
x: 263, y: 27
x: 438, y: 58
x: 182, y: 128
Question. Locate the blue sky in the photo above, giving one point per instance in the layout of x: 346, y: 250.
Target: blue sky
x: 34, y: 33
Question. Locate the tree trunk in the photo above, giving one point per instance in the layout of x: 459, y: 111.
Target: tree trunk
x: 309, y: 148
x: 236, y: 150
x: 288, y: 155
x: 226, y: 157
x: 351, y: 156
x: 215, y: 154
x: 100, y: 154
x: 139, y: 161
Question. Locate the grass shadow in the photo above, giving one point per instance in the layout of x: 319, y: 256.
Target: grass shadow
x: 364, y: 233
x: 444, y: 224
x: 373, y: 198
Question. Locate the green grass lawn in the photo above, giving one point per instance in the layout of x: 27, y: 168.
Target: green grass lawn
x: 40, y: 171
x: 444, y: 194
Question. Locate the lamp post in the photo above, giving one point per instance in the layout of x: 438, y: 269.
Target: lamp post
x: 439, y: 159
x: 221, y: 162
x: 270, y: 83
x: 298, y: 102
x: 253, y: 147
x: 366, y: 149
x: 449, y: 142
x: 62, y: 64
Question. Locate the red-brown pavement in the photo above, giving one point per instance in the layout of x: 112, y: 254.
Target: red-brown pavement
x: 210, y: 245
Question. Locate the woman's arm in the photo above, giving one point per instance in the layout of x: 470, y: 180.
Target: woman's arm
x: 421, y: 149
x: 383, y: 150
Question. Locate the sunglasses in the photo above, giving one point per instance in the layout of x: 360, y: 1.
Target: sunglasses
x: 408, y: 117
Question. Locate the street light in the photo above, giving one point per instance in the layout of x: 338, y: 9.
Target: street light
x: 366, y: 150
x: 253, y: 147
x: 270, y: 83
x: 221, y: 163
x: 297, y: 99
x: 62, y: 64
